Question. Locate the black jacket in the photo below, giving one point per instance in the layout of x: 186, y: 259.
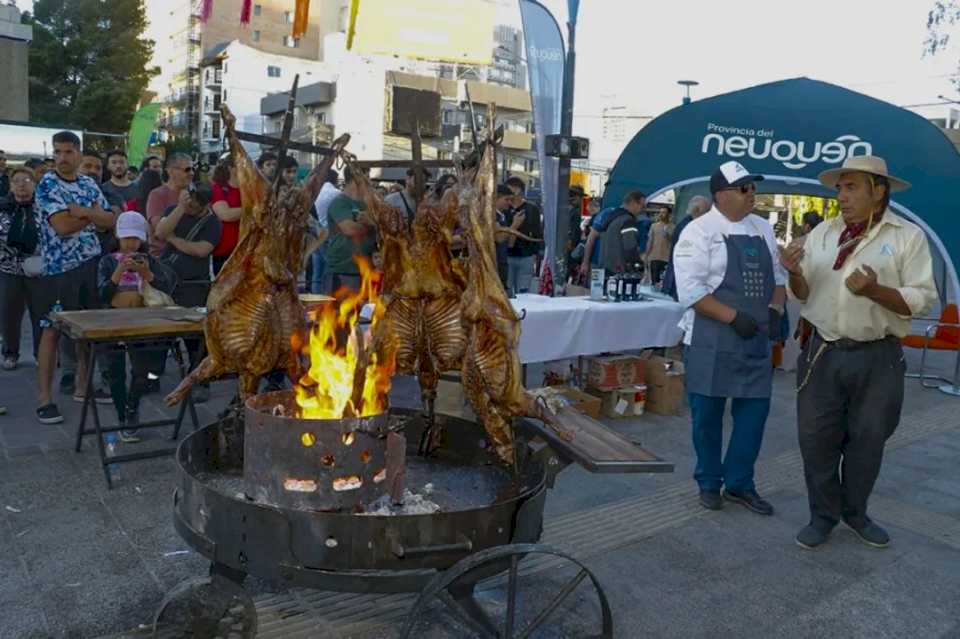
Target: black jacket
x: 164, y: 279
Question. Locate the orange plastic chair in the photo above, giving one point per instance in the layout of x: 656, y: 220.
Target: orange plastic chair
x: 941, y: 336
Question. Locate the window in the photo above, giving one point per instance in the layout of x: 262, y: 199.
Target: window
x: 288, y: 17
x: 273, y: 72
x: 290, y: 42
x: 256, y: 36
x: 321, y: 117
x: 224, y: 67
x: 224, y: 95
x: 257, y: 9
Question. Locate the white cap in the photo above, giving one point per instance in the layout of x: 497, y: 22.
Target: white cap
x: 132, y: 224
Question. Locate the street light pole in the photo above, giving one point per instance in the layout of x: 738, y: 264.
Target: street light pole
x: 566, y: 130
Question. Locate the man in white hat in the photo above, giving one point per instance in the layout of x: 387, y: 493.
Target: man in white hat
x: 861, y: 277
x: 729, y: 277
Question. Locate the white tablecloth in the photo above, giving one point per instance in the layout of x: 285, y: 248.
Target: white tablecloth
x: 556, y: 328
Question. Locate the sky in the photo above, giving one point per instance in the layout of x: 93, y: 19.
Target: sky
x: 636, y: 50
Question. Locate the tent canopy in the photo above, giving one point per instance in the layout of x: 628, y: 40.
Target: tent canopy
x: 790, y: 131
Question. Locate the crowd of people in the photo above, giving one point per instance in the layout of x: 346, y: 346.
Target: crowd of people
x: 83, y: 231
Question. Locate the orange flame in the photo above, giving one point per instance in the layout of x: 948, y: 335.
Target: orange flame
x: 327, y: 390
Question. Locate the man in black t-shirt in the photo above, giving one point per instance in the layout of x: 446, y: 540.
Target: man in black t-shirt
x: 526, y: 218
x: 119, y: 189
x: 191, y: 231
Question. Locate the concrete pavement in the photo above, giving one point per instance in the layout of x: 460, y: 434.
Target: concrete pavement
x: 77, y: 560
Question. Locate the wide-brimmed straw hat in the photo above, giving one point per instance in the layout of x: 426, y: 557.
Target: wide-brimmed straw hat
x: 873, y: 164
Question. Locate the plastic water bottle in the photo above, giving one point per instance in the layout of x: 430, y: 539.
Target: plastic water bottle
x: 111, y: 439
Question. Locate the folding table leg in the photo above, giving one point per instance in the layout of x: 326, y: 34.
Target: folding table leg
x: 83, y: 410
x: 90, y: 401
x: 188, y: 400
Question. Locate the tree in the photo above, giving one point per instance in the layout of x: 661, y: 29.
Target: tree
x: 88, y: 62
x: 944, y: 15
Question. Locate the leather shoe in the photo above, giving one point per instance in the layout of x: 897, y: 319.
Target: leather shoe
x: 710, y: 499
x: 870, y: 534
x: 812, y: 536
x: 750, y: 499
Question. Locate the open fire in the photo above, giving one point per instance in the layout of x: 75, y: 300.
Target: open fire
x: 346, y: 378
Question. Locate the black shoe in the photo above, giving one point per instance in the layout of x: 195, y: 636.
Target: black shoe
x: 870, y: 534
x: 49, y: 414
x: 67, y: 384
x: 129, y: 436
x: 750, y: 499
x: 812, y: 536
x: 710, y: 499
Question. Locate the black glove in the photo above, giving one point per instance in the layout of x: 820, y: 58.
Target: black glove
x: 775, y: 324
x: 744, y: 325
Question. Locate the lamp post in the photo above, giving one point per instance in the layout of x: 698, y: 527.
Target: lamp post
x: 687, y: 84
x: 566, y: 130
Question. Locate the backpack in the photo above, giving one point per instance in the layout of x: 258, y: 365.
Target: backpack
x: 619, y: 244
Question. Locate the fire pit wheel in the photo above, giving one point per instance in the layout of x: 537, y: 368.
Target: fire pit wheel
x: 455, y: 589
x: 214, y: 607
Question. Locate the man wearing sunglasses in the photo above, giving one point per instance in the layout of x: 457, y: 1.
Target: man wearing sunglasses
x: 178, y: 174
x: 729, y: 277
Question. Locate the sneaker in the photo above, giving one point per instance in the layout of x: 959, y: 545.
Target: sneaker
x: 152, y: 386
x: 100, y: 396
x: 9, y: 363
x: 812, y: 537
x: 710, y: 499
x: 200, y: 394
x: 750, y: 499
x: 129, y: 436
x: 870, y: 534
x: 67, y: 384
x: 49, y: 414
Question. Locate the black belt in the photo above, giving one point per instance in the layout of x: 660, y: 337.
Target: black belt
x: 846, y: 344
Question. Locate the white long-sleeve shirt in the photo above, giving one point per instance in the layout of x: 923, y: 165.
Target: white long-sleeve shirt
x: 700, y: 258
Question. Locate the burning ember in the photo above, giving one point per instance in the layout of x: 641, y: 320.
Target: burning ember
x: 346, y: 377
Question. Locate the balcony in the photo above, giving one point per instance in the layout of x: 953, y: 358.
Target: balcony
x: 212, y: 107
x: 213, y: 78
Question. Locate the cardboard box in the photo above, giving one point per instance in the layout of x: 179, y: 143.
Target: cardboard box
x: 665, y: 385
x: 573, y: 290
x: 610, y: 372
x: 625, y: 402
x: 557, y: 396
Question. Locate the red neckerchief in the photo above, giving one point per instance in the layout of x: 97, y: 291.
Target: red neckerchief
x: 850, y: 238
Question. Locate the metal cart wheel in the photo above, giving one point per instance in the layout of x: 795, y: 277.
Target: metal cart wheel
x: 214, y: 607
x: 455, y: 589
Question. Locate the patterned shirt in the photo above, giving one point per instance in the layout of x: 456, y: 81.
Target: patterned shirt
x: 55, y: 195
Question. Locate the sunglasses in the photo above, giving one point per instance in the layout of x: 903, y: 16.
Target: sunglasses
x: 746, y: 188
x: 186, y: 169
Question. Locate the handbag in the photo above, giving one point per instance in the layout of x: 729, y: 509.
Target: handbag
x: 153, y: 297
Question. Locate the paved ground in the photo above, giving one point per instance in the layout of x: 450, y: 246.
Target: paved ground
x: 79, y: 561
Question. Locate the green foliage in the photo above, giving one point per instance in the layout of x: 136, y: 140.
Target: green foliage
x: 944, y: 15
x: 88, y: 62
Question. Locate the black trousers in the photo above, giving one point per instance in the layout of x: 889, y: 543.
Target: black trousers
x: 142, y: 361
x: 846, y: 411
x: 17, y: 293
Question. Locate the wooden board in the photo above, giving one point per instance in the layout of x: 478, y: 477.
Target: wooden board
x: 314, y: 299
x: 596, y: 447
x: 118, y: 323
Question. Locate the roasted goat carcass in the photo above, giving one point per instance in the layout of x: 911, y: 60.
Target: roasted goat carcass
x: 254, y: 316
x: 439, y: 317
x: 422, y: 288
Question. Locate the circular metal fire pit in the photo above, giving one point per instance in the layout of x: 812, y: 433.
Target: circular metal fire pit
x: 339, y: 550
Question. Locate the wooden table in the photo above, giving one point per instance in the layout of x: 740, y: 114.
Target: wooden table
x: 113, y: 330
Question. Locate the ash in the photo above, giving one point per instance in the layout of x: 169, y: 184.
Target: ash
x: 413, y: 504
x: 431, y: 486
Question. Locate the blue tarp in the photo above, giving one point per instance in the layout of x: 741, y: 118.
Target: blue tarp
x: 790, y: 131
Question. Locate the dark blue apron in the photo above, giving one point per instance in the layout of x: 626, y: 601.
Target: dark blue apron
x: 719, y: 362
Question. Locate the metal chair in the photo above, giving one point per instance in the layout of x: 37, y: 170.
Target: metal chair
x: 943, y: 335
